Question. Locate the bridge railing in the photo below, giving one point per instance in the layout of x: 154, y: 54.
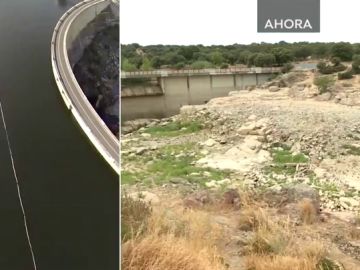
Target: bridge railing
x: 167, y: 72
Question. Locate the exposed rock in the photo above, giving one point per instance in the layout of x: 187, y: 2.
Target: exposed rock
x: 209, y: 143
x: 324, y: 97
x: 274, y: 88
x: 349, y: 203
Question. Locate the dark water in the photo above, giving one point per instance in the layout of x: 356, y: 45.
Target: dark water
x: 69, y: 192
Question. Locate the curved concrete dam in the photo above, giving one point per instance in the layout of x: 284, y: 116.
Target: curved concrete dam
x: 71, y: 36
x: 70, y: 194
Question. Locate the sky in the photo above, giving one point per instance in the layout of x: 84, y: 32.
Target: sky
x: 225, y: 22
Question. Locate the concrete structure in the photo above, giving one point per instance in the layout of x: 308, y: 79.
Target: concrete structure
x: 184, y: 87
x: 64, y: 40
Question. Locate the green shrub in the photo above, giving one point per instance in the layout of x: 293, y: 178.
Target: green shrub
x: 224, y: 65
x: 264, y: 60
x: 180, y: 65
x: 356, y: 64
x: 324, y: 83
x: 330, y: 69
x: 345, y: 75
x: 287, y: 67
x: 201, y: 64
x: 336, y: 61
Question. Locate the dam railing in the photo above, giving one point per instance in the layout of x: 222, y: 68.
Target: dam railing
x: 208, y: 71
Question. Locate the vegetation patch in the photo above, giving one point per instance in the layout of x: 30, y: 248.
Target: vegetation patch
x: 325, y: 186
x: 324, y: 83
x: 286, y: 156
x: 284, y: 162
x: 175, y: 129
x: 177, y: 161
x: 134, y: 215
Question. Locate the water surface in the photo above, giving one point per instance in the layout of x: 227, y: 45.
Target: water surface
x: 70, y: 193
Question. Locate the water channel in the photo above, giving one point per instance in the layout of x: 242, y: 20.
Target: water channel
x: 70, y: 194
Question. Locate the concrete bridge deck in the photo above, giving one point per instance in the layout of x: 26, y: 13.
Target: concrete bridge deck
x: 93, y: 126
x: 189, y: 72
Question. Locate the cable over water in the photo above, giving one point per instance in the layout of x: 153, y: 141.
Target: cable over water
x: 18, y: 188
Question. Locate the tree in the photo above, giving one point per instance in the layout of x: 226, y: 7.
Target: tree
x: 201, y: 65
x: 172, y: 58
x: 216, y: 58
x: 282, y: 55
x: 342, y: 50
x: 251, y: 59
x: 320, y: 50
x: 230, y: 57
x: 146, y: 65
x: 264, y: 60
x: 188, y: 51
x: 302, y: 52
x: 127, y: 66
x: 157, y: 62
x: 243, y: 57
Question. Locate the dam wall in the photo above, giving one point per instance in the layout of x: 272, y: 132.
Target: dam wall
x: 186, y: 90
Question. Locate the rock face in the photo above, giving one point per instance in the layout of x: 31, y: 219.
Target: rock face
x: 243, y: 156
x: 97, y: 72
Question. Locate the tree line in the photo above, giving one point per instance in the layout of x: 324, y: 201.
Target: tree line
x: 137, y: 57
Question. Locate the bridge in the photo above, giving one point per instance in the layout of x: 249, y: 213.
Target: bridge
x: 64, y: 42
x: 190, y: 72
x: 161, y: 93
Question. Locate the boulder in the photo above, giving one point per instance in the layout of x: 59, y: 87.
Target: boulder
x: 274, y: 88
x: 324, y: 97
x: 209, y: 143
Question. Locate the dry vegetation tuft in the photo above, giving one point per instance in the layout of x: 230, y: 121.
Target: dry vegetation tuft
x: 308, y: 212
x: 174, y: 241
x: 252, y: 218
x: 167, y: 252
x: 273, y: 246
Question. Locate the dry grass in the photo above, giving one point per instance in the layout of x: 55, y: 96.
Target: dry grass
x: 167, y: 252
x: 274, y: 246
x: 134, y: 215
x: 251, y: 218
x: 267, y: 262
x: 296, y: 255
x: 308, y: 212
x: 174, y: 241
x: 269, y: 241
